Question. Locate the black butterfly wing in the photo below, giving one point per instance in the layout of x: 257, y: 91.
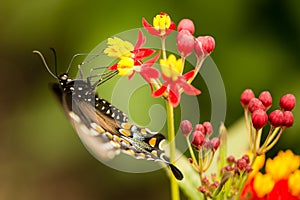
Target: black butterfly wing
x: 105, y: 130
x: 84, y: 119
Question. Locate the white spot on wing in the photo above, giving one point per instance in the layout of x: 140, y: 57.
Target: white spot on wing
x: 75, y: 117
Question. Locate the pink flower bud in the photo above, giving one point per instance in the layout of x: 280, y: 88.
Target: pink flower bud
x: 202, y: 189
x: 228, y: 168
x: 215, y: 143
x: 204, y: 45
x: 207, y: 144
x: 205, y: 180
x: 230, y: 159
x: 266, y: 98
x: 241, y: 164
x: 200, y: 127
x: 288, y: 118
x: 287, y: 102
x: 246, y: 96
x: 246, y: 158
x: 190, y: 160
x: 208, y: 128
x: 186, y: 24
x: 276, y: 118
x: 185, y: 42
x: 259, y: 119
x: 186, y: 127
x: 197, y: 139
x: 249, y: 169
x: 216, y: 184
x: 255, y: 104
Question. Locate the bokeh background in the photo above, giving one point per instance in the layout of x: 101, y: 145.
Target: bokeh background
x: 258, y: 45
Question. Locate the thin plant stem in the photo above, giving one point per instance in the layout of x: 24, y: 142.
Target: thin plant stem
x: 197, y: 68
x: 200, y: 158
x: 191, y: 150
x: 163, y: 47
x: 171, y: 137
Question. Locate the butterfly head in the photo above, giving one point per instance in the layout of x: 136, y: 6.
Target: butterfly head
x: 64, y: 80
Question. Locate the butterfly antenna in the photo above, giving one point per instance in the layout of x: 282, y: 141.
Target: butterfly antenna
x: 55, y: 60
x: 45, y: 63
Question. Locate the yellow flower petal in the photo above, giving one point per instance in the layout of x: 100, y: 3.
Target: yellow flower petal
x: 118, y: 47
x: 293, y: 182
x: 257, y: 165
x: 125, y: 66
x: 171, y: 68
x: 282, y: 165
x: 263, y: 184
x: 162, y: 22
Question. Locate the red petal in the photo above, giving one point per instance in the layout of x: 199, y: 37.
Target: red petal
x: 113, y: 67
x: 148, y: 72
x: 140, y: 41
x: 187, y: 88
x: 189, y: 75
x: 174, y: 95
x: 159, y: 92
x: 142, y: 53
x: 150, y: 62
x: 149, y: 28
x: 171, y: 28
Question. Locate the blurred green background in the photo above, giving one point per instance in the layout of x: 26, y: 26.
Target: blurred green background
x: 257, y: 46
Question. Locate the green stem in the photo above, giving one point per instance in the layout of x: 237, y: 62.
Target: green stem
x: 171, y: 137
x: 197, y: 68
x: 191, y: 150
x: 163, y: 47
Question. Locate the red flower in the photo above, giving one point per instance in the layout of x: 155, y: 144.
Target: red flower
x: 281, y: 191
x: 162, y: 25
x: 131, y: 58
x: 174, y: 81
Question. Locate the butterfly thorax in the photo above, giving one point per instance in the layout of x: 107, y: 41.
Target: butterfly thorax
x: 77, y: 88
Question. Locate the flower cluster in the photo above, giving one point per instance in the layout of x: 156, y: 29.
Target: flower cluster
x: 174, y: 82
x: 279, y: 119
x: 280, y: 181
x: 171, y: 79
x: 205, y: 148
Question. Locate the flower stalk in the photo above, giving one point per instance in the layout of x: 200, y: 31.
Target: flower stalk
x: 171, y: 137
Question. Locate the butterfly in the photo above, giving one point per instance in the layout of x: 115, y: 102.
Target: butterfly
x: 102, y: 127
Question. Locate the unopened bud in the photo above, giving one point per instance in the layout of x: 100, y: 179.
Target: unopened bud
x: 255, y: 104
x: 215, y: 143
x: 200, y: 127
x: 186, y: 24
x: 276, y: 118
x: 287, y: 102
x: 241, y: 164
x: 266, y: 99
x: 208, y: 128
x: 259, y: 119
x: 204, y: 45
x: 197, y: 139
x: 186, y: 127
x: 288, y: 118
x: 185, y: 42
x: 246, y: 96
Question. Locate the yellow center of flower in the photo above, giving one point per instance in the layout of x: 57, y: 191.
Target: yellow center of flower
x: 125, y: 66
x: 171, y: 67
x: 162, y: 22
